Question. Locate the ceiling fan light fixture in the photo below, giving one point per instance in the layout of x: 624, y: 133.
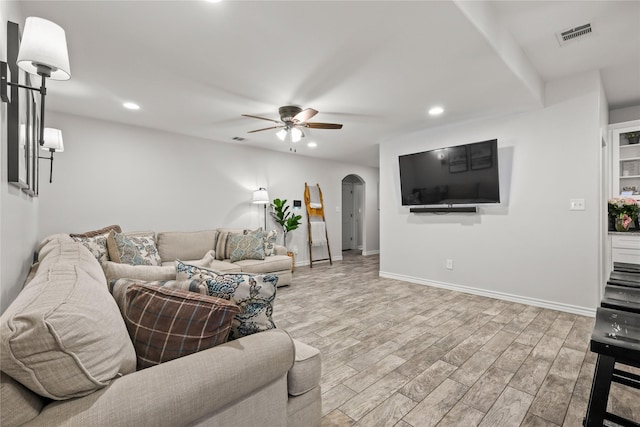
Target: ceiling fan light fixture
x: 296, y: 134
x: 281, y: 134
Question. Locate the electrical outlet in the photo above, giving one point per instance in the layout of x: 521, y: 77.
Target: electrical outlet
x: 449, y: 264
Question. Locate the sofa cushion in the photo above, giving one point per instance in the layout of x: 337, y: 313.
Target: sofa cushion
x: 165, y: 324
x: 63, y: 336
x: 254, y: 294
x: 210, y: 262
x: 119, y: 287
x: 185, y: 244
x: 113, y: 270
x: 306, y: 370
x: 20, y: 404
x: 246, y: 246
x: 96, y: 241
x: 62, y: 251
x: 270, y: 264
x: 133, y: 249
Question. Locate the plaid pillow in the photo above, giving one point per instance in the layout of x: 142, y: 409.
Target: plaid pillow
x: 253, y: 294
x: 119, y: 287
x: 165, y: 324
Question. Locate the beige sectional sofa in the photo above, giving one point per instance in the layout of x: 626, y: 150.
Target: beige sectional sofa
x: 194, y: 245
x: 67, y: 358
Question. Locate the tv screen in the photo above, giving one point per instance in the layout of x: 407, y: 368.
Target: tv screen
x: 463, y: 174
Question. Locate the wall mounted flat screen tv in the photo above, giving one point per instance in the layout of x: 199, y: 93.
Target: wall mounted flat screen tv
x: 463, y: 174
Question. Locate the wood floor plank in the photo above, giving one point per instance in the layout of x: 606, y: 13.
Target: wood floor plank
x: 388, y: 412
x: 423, y: 384
x: 435, y: 406
x: 373, y: 396
x: 378, y: 336
x: 462, y: 415
x: 483, y: 394
x: 509, y: 410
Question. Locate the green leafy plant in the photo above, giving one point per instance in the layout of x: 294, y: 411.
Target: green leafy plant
x: 284, y: 218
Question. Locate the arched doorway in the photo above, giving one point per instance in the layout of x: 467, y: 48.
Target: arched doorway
x: 352, y: 213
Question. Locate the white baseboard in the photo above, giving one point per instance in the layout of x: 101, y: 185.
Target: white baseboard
x: 574, y: 309
x: 374, y: 252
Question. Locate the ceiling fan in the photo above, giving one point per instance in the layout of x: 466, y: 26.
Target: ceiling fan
x: 292, y: 119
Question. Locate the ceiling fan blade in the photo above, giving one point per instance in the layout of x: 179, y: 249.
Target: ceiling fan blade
x: 261, y: 118
x: 316, y: 125
x: 272, y: 127
x: 305, y: 115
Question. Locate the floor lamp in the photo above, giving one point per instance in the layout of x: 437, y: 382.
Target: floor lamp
x: 261, y: 197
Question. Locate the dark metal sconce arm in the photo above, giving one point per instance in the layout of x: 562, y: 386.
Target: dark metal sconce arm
x: 44, y: 72
x: 51, y: 150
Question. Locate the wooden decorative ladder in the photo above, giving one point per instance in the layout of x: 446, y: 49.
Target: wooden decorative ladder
x: 315, y: 214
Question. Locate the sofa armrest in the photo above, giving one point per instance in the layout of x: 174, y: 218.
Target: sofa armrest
x: 280, y: 250
x: 183, y: 390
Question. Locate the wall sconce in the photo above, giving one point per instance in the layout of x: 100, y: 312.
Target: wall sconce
x: 53, y: 144
x: 261, y: 197
x: 43, y: 52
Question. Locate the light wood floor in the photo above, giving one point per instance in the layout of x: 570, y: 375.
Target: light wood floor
x: 401, y: 354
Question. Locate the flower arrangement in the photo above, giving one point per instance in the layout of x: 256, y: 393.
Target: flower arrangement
x: 619, y: 207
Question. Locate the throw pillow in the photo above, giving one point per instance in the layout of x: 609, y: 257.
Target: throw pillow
x: 246, y: 246
x: 165, y: 324
x: 96, y: 241
x: 270, y: 243
x: 133, y: 250
x: 254, y: 294
x: 119, y: 287
x: 223, y: 238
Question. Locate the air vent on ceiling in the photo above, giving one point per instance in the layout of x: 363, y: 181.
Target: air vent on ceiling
x: 573, y: 33
x: 238, y: 138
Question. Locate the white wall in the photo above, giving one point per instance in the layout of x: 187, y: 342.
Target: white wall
x: 628, y: 114
x: 531, y: 247
x: 19, y: 212
x: 143, y: 179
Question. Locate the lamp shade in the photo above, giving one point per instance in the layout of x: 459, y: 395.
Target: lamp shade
x: 44, y: 43
x: 53, y: 140
x: 296, y: 134
x: 261, y: 197
x: 282, y: 134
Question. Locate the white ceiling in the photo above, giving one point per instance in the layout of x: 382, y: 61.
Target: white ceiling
x: 376, y: 67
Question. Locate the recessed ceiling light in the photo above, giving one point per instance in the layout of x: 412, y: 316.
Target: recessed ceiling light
x: 436, y: 111
x: 214, y: 1
x: 131, y: 106
x: 312, y: 145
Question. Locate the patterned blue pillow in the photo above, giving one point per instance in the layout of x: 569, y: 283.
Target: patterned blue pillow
x: 246, y: 246
x: 133, y: 250
x: 270, y: 243
x: 254, y: 294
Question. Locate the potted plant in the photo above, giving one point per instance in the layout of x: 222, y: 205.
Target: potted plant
x: 632, y: 137
x: 286, y: 219
x: 623, y: 211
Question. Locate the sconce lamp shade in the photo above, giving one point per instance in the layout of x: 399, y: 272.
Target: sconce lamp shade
x: 44, y: 43
x: 261, y: 197
x: 53, y: 140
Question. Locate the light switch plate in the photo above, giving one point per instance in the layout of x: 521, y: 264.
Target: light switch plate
x: 576, y: 204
